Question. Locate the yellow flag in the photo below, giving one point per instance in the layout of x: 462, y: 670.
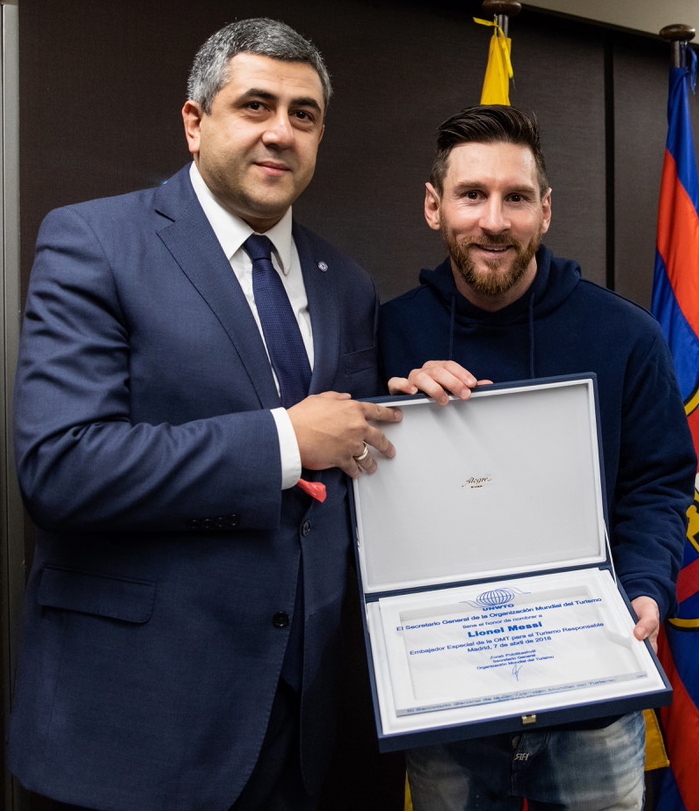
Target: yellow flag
x: 498, y: 71
x: 656, y: 754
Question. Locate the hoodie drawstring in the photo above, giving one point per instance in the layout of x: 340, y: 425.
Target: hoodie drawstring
x: 530, y: 309
x: 452, y: 325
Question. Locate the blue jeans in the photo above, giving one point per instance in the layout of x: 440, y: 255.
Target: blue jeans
x: 554, y: 770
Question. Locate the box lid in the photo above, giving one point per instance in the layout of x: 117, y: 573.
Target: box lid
x: 506, y: 483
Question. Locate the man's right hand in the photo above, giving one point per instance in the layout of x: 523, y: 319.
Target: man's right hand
x: 332, y: 429
x: 437, y: 379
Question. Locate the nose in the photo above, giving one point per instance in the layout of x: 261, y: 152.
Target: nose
x: 494, y: 217
x: 279, y: 131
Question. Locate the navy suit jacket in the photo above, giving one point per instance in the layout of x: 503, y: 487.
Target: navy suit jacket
x: 168, y: 556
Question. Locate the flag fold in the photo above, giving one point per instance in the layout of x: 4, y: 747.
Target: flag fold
x: 675, y: 303
x: 498, y: 71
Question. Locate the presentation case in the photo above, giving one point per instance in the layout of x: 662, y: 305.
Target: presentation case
x: 489, y: 594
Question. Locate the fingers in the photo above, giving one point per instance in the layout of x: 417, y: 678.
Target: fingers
x: 374, y: 438
x: 332, y: 430
x: 334, y: 395
x: 401, y: 385
x: 647, y: 630
x: 648, y: 624
x: 365, y: 462
x: 438, y: 378
x: 380, y: 413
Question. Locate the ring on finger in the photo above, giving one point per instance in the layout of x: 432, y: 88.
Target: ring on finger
x: 363, y: 454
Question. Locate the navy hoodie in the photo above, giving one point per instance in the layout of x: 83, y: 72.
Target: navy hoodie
x: 564, y: 324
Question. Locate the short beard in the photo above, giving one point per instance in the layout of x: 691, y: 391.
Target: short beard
x: 494, y: 283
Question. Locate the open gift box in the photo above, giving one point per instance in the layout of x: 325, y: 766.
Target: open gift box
x: 489, y: 594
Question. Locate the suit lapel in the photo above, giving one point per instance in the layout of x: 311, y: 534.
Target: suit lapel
x: 319, y: 276
x: 194, y: 246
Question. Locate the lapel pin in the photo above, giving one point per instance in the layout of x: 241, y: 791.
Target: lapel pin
x: 322, y: 266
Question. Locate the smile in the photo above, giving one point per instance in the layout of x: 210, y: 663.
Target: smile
x: 493, y: 248
x: 272, y: 167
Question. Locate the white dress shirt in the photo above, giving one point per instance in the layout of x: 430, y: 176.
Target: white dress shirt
x: 232, y: 232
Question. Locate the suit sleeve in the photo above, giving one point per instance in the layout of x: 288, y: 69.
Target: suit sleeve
x: 83, y: 462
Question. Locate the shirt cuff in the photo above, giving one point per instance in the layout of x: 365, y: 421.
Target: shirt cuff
x: 288, y: 448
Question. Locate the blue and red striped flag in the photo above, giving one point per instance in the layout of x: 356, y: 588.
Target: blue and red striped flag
x: 675, y: 303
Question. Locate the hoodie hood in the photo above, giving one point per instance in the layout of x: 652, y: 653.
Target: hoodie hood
x: 554, y: 282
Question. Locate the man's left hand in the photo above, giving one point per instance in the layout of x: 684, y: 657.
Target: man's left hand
x: 648, y: 623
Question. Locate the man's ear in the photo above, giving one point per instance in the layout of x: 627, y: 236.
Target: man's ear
x: 546, y: 211
x: 432, y: 205
x: 192, y: 115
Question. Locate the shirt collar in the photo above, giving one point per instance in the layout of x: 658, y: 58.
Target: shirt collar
x: 231, y: 231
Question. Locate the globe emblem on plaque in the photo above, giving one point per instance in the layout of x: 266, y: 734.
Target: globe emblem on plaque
x: 494, y: 598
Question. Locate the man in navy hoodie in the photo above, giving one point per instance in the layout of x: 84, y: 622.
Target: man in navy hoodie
x: 506, y: 308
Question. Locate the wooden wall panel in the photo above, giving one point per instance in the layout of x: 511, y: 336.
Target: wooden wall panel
x: 640, y: 128
x: 640, y: 102
x: 102, y: 85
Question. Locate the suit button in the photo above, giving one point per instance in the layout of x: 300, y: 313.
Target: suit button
x: 280, y: 619
x: 195, y: 523
x: 305, y: 527
x: 233, y: 520
x: 209, y: 523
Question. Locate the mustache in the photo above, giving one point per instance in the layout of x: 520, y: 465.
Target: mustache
x: 491, y: 241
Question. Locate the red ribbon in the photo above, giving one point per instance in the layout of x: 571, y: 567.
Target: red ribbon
x: 314, y: 489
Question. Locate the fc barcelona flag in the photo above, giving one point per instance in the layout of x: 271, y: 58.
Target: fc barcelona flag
x: 675, y: 303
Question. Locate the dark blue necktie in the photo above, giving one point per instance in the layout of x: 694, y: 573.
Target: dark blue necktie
x: 279, y: 325
x: 290, y: 364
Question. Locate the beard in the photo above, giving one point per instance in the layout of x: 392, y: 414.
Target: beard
x: 498, y: 280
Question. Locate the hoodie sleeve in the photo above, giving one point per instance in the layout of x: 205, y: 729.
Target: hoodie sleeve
x: 655, y: 480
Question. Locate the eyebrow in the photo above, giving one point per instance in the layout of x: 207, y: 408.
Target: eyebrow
x: 300, y: 101
x: 521, y: 189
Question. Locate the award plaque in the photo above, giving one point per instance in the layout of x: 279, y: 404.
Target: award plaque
x: 490, y: 600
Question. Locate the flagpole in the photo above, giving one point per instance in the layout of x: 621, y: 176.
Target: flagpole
x: 678, y: 36
x: 502, y: 10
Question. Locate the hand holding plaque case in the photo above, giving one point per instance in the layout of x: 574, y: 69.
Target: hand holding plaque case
x: 489, y: 595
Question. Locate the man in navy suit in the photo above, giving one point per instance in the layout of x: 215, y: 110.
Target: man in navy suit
x: 180, y: 645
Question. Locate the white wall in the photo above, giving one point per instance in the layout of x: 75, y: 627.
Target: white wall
x: 11, y: 517
x: 648, y: 16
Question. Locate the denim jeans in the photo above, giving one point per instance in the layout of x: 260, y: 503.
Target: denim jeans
x: 554, y: 770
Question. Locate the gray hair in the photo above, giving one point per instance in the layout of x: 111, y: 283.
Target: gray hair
x: 260, y: 36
